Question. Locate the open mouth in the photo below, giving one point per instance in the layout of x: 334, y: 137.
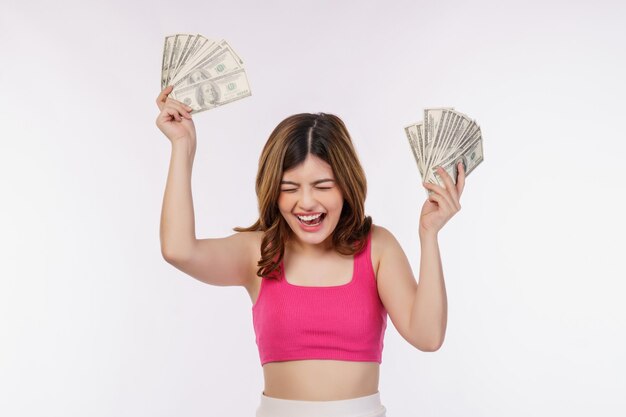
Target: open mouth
x: 308, y: 221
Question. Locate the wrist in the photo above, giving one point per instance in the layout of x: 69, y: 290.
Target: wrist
x: 427, y: 235
x: 187, y: 139
x: 185, y: 145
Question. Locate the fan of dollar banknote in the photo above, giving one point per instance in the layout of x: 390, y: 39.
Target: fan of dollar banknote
x: 444, y: 138
x: 204, y: 73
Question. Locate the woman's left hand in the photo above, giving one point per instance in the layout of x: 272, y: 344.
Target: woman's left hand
x: 443, y: 203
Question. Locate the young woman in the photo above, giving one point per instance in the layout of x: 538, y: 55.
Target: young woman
x: 321, y: 276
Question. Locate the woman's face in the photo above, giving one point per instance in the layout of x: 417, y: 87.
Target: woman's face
x: 310, y: 189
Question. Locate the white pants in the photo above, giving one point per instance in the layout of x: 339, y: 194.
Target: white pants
x: 368, y: 406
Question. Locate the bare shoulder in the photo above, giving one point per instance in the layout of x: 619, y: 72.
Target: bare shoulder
x: 254, y: 239
x: 382, y: 239
x: 252, y: 242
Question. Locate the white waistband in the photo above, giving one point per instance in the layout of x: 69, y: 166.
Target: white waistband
x: 368, y: 406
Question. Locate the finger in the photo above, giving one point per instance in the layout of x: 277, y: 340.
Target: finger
x: 439, y: 199
x: 460, y: 181
x: 441, y: 191
x: 182, y: 107
x: 449, y: 184
x: 170, y: 113
x: 162, y: 97
x: 450, y: 188
x: 163, y: 117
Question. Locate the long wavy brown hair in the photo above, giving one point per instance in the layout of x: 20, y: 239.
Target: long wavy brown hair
x: 325, y: 136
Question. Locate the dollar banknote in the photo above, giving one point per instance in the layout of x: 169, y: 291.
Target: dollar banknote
x: 204, y: 73
x: 212, y: 92
x: 444, y: 138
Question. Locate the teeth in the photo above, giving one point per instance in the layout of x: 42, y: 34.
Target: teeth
x: 309, y: 218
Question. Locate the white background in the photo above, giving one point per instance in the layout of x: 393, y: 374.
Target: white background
x: 93, y: 321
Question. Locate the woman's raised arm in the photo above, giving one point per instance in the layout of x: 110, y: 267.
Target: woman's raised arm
x: 177, y: 231
x: 216, y: 261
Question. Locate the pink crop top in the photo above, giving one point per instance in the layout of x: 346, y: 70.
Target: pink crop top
x: 343, y: 322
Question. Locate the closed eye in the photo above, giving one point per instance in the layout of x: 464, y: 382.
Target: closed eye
x: 295, y: 189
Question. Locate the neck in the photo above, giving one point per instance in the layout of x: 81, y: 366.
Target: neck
x: 313, y: 250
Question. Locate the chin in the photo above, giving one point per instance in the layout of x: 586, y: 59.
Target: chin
x: 313, y: 238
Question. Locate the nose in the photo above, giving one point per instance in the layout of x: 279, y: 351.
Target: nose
x: 307, y: 201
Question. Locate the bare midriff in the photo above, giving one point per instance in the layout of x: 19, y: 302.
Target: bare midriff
x: 320, y: 380
x: 315, y: 379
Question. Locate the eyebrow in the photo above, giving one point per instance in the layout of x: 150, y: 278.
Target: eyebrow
x: 313, y: 183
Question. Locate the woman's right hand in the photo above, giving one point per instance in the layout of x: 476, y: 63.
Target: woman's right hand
x: 175, y: 118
